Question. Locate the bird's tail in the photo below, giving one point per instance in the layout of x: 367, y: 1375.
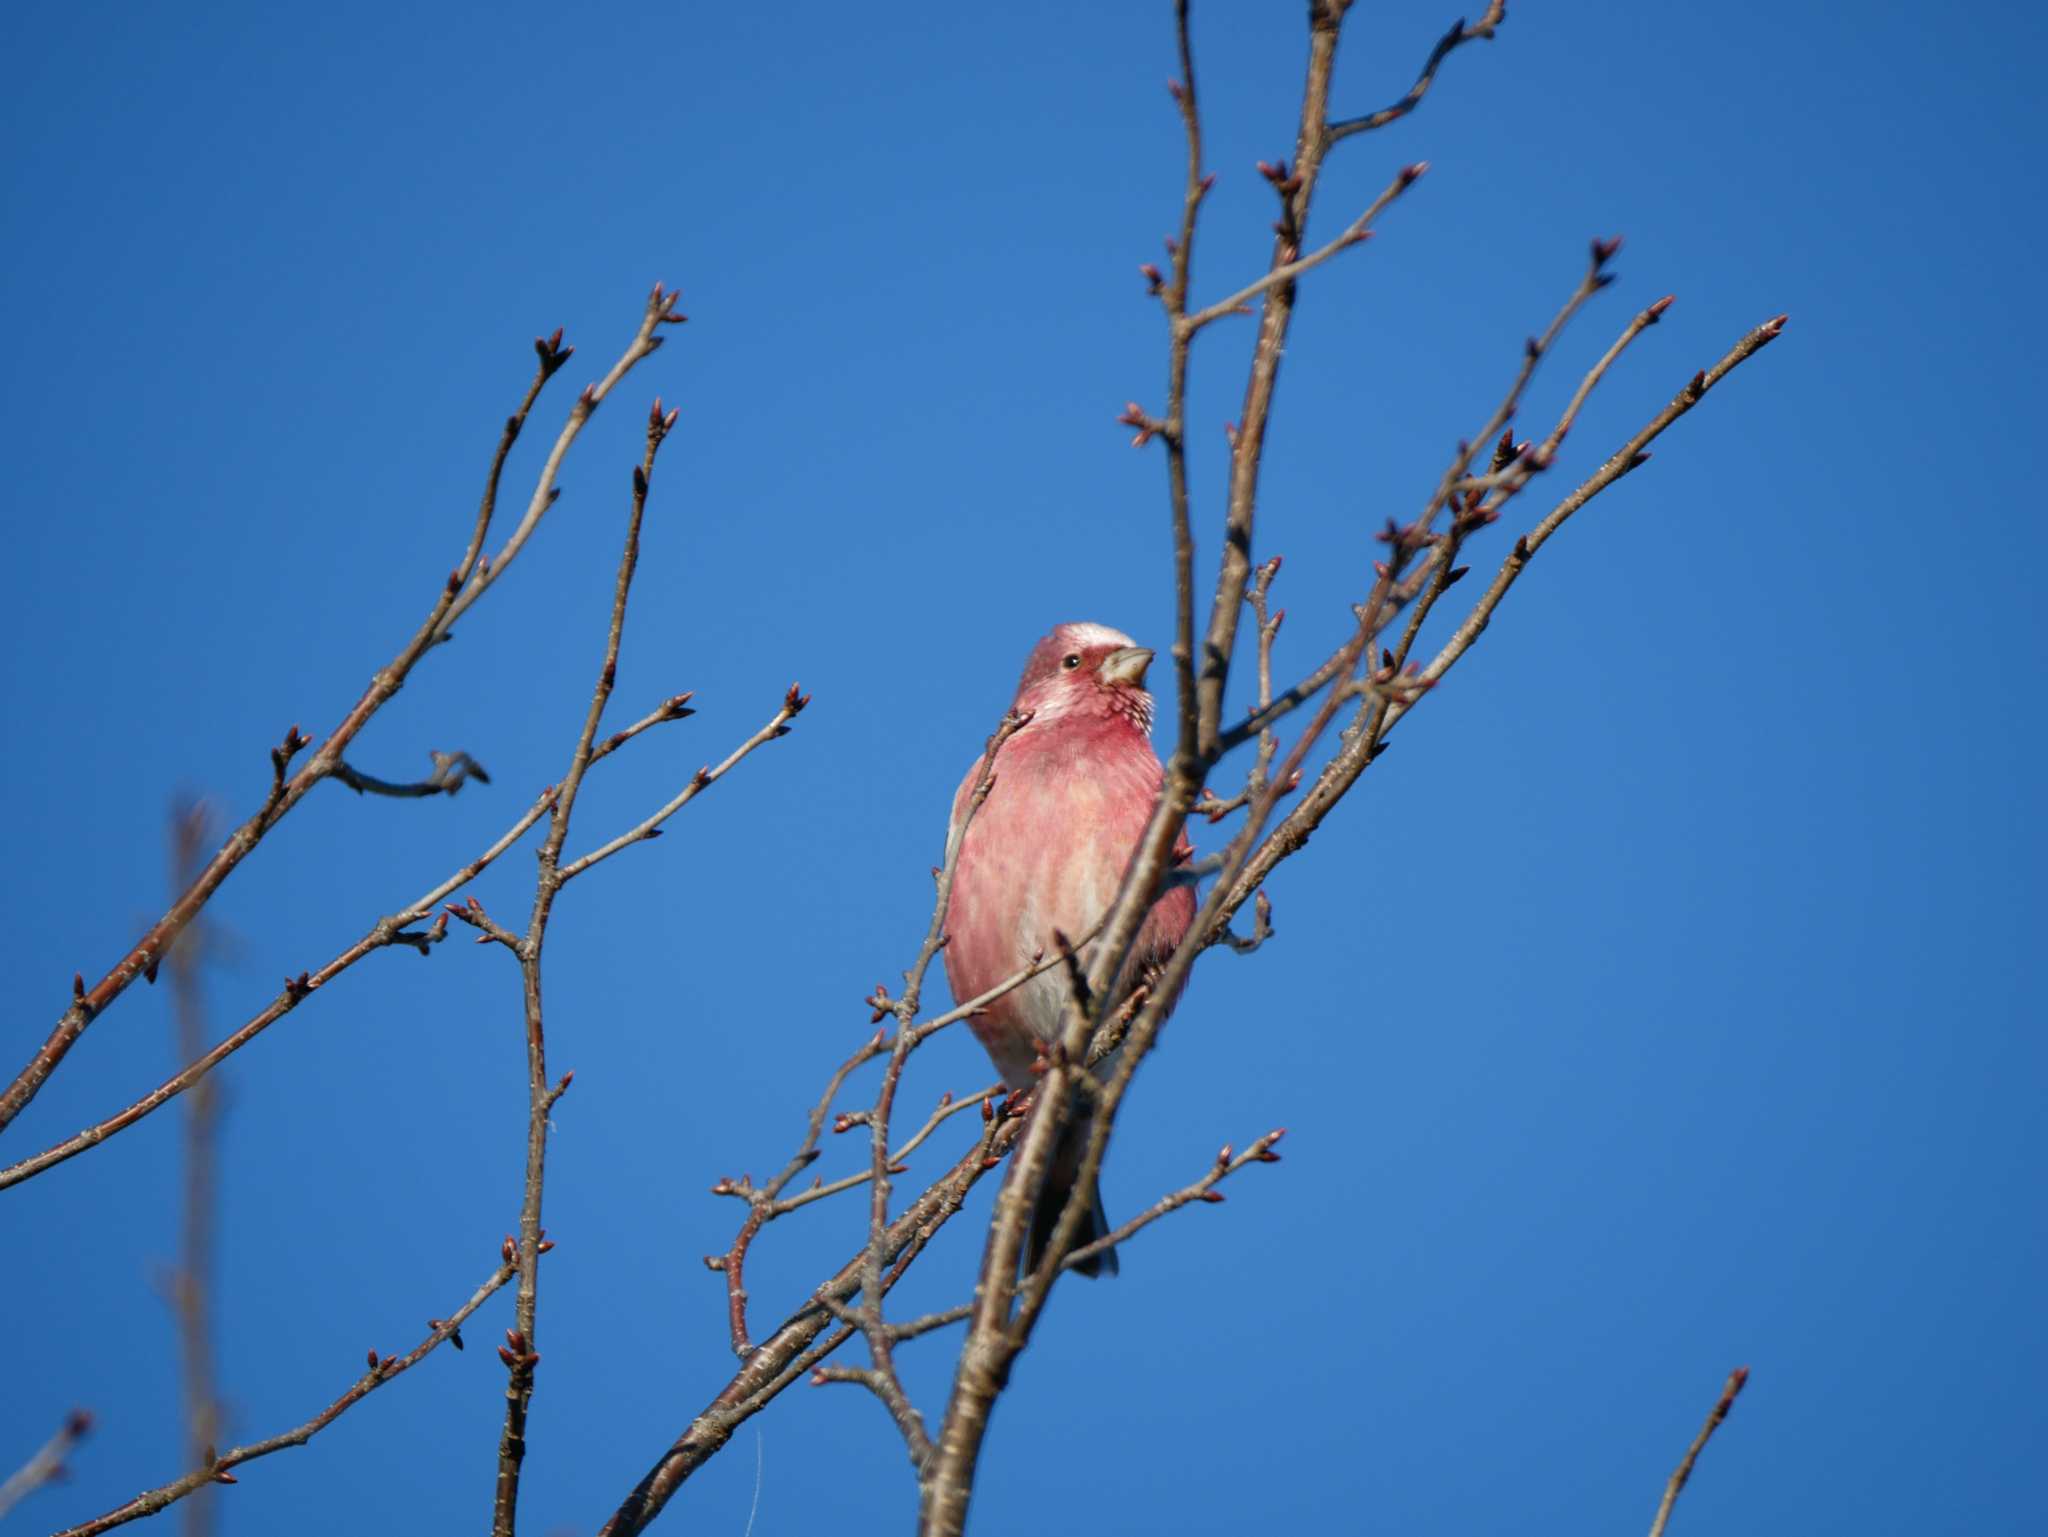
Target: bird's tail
x: 1059, y: 1184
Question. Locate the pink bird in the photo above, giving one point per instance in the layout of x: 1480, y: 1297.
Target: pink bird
x: 1073, y: 792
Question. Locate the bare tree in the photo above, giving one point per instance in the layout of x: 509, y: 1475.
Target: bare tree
x: 1306, y: 742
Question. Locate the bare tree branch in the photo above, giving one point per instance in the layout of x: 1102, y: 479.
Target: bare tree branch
x: 1417, y: 570
x: 1343, y: 770
x: 287, y: 791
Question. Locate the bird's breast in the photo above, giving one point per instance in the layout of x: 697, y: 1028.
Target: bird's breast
x: 1043, y: 856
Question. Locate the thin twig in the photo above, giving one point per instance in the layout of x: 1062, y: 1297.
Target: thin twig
x: 1354, y: 233
x: 650, y: 827
x: 1737, y: 1379
x: 521, y: 1354
x: 1203, y: 1189
x: 382, y: 1370
x: 1459, y: 34
x: 452, y: 770
x: 660, y: 311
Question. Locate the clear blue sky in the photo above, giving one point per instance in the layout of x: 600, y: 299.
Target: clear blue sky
x: 1668, y: 998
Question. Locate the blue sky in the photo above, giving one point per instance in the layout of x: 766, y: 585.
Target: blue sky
x: 1666, y: 1000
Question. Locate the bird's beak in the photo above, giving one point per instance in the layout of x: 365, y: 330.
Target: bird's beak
x: 1125, y: 666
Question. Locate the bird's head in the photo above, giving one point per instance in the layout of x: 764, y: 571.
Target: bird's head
x: 1086, y: 670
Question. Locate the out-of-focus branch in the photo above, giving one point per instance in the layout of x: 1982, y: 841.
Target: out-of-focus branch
x: 382, y: 1369
x: 393, y: 929
x: 47, y: 1465
x: 190, y: 1286
x: 288, y: 789
x: 1737, y: 1379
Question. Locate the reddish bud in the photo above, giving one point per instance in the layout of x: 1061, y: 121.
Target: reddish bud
x: 1212, y: 1195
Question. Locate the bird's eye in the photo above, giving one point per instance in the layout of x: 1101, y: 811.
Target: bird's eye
x: 1071, y: 660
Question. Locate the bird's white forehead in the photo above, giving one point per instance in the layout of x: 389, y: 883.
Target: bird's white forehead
x: 1090, y: 635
